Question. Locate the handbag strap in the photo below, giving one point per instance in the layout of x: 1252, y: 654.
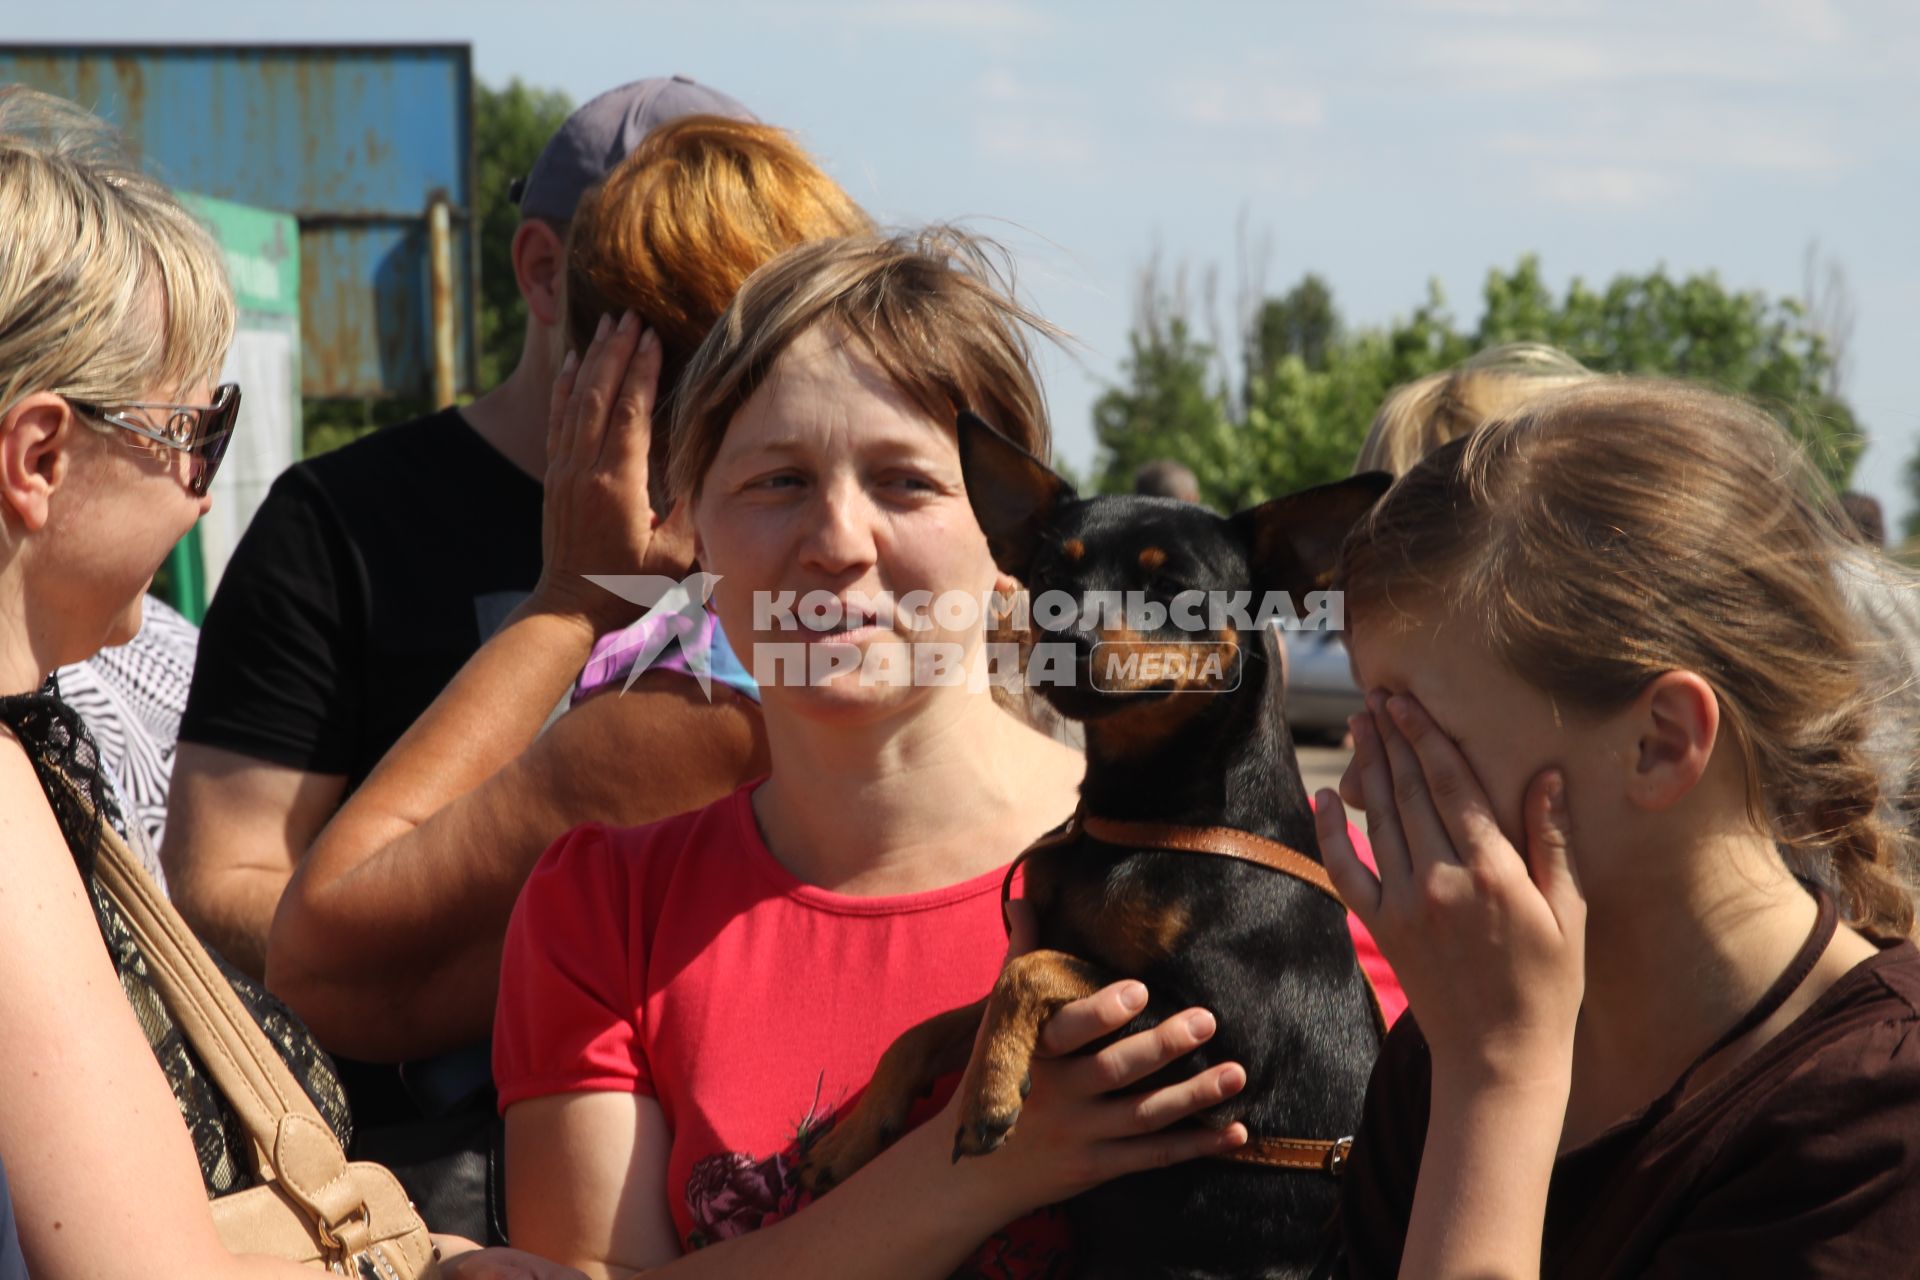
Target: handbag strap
x: 294, y: 1146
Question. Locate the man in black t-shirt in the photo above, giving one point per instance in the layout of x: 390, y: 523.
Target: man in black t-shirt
x: 371, y: 574
x: 367, y: 579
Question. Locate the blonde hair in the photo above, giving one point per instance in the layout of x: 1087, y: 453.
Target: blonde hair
x: 934, y: 309
x: 1624, y: 528
x: 684, y: 219
x: 1419, y: 416
x: 94, y: 254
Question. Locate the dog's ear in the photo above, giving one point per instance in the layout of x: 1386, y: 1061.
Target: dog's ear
x: 1013, y: 493
x: 1293, y: 542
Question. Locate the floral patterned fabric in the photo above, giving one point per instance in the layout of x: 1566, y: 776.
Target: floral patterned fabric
x: 682, y: 962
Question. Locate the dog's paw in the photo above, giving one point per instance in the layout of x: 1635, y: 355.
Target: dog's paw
x: 839, y: 1153
x: 983, y: 1133
x: 816, y: 1171
x: 817, y: 1176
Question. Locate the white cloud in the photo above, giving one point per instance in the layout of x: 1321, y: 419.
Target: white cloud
x: 1646, y: 103
x: 1635, y: 155
x: 953, y: 17
x: 1505, y: 8
x: 1236, y: 103
x: 1036, y: 126
x: 1589, y: 186
x: 1514, y: 61
x: 999, y: 84
x: 1498, y: 46
x: 1035, y: 143
x: 1819, y: 21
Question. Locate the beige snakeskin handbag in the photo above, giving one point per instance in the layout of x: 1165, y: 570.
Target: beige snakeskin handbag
x: 312, y: 1206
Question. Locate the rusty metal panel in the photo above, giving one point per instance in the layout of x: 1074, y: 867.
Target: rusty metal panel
x: 357, y: 142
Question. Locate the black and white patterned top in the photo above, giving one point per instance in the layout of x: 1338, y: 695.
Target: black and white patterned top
x: 131, y: 697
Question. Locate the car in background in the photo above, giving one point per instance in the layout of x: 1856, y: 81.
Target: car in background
x: 1321, y: 693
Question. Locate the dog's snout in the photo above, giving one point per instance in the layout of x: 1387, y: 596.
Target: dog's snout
x: 1080, y: 638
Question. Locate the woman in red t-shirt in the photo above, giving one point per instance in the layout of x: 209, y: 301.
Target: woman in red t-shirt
x: 683, y: 1005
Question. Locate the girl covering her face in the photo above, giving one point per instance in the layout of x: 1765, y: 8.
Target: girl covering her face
x: 1634, y: 868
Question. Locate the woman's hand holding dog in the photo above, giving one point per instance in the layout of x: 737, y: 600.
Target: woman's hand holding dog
x: 1077, y: 1129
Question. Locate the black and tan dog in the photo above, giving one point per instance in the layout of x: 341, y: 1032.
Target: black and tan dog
x: 1185, y: 735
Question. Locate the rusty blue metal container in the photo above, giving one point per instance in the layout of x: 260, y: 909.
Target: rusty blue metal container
x: 369, y: 146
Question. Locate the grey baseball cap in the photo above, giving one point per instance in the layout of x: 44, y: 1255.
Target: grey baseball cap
x: 600, y: 134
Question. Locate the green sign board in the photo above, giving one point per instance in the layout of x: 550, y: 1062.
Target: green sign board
x: 262, y: 249
x: 262, y: 252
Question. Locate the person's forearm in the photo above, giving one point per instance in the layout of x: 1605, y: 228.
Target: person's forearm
x: 230, y: 911
x: 364, y: 899
x: 408, y: 926
x: 395, y: 952
x: 1480, y: 1206
x: 494, y: 706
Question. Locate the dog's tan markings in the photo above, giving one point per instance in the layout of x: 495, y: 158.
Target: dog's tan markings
x: 1135, y: 931
x: 907, y: 1070
x: 1211, y: 668
x: 1136, y: 667
x: 1127, y: 662
x: 1141, y: 728
x: 1117, y: 661
x: 1152, y: 558
x: 1031, y: 989
x: 1073, y: 549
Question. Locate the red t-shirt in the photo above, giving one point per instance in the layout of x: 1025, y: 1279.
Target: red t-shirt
x: 680, y: 960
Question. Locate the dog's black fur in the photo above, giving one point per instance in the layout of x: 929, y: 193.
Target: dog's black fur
x: 1269, y: 956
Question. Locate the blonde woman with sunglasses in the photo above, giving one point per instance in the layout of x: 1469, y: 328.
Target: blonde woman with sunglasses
x: 115, y: 313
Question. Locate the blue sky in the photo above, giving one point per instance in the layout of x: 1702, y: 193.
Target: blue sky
x: 1380, y: 144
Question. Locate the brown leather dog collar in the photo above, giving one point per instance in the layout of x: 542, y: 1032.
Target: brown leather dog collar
x: 1222, y: 842
x: 1225, y: 842
x: 1307, y: 1155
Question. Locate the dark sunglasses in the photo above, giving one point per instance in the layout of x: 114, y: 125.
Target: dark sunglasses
x: 201, y: 431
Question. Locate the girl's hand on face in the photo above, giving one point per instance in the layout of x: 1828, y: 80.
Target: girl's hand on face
x: 1489, y: 945
x: 598, y: 517
x: 1076, y: 1128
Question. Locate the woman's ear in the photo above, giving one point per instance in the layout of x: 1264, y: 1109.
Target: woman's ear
x: 36, y: 437
x: 1677, y: 718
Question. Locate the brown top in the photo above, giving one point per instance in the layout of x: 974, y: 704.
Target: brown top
x: 1803, y: 1160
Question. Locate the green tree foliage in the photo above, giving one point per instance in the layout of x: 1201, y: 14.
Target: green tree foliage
x: 1172, y: 407
x: 1309, y: 384
x: 510, y: 126
x: 1745, y: 343
x: 1301, y: 322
